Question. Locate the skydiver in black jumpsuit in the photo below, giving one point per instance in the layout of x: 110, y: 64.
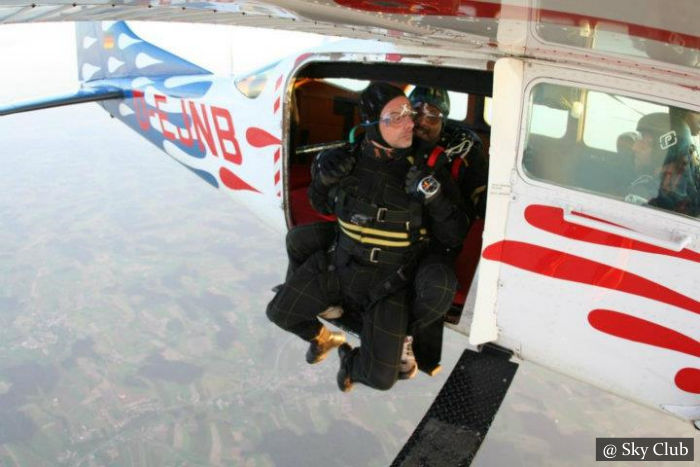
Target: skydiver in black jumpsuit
x: 387, y: 214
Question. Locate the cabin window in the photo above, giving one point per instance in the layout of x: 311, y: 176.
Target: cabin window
x: 252, y: 84
x: 603, y: 108
x: 458, y: 105
x: 615, y: 37
x: 630, y: 149
x: 548, y: 122
x: 355, y: 85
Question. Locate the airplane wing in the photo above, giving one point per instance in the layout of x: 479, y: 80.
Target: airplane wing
x: 322, y: 17
x: 447, y: 24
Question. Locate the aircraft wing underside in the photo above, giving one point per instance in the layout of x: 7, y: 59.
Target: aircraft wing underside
x: 325, y: 17
x: 614, y: 29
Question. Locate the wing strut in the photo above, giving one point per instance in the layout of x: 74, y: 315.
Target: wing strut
x: 87, y: 94
x: 459, y: 418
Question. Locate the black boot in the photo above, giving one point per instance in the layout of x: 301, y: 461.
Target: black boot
x: 344, y: 381
x: 323, y: 343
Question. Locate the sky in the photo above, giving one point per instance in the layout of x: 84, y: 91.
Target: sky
x: 546, y: 419
x: 40, y: 59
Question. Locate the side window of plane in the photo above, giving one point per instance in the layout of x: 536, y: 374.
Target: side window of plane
x: 624, y: 148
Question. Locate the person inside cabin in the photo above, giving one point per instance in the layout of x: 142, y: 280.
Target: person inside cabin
x: 625, y: 147
x: 649, y: 153
x: 390, y: 212
x: 679, y: 188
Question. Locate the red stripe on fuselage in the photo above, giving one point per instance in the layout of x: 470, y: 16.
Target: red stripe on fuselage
x: 640, y: 330
x: 234, y: 182
x: 301, y: 58
x: 259, y: 138
x: 688, y: 379
x: 551, y: 219
x: 564, y: 266
x: 276, y: 105
x: 279, y: 82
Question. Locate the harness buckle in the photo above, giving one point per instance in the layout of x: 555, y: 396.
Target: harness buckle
x: 373, y: 255
x: 381, y: 214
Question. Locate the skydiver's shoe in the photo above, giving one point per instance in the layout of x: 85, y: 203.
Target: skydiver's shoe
x: 408, y: 368
x: 332, y: 312
x: 277, y: 288
x: 322, y: 344
x: 343, y: 379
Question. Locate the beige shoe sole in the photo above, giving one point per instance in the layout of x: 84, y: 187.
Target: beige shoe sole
x: 332, y: 312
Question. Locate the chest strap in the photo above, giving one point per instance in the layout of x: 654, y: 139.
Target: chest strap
x: 454, y: 170
x: 433, y: 157
x: 372, y: 236
x: 454, y: 165
x: 367, y: 212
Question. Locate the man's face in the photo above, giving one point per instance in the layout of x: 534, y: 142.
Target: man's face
x: 396, y: 123
x: 428, y: 123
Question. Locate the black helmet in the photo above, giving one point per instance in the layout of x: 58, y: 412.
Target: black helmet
x: 655, y: 124
x: 374, y: 98
x: 433, y: 96
x: 658, y: 126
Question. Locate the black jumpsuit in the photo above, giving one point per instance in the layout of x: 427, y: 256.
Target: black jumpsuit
x: 382, y: 233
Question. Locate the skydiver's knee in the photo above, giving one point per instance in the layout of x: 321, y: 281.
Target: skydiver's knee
x: 451, y: 279
x: 436, y: 280
x: 292, y: 242
x: 270, y: 311
x: 273, y: 312
x: 436, y: 273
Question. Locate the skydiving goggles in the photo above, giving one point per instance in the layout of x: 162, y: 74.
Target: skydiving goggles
x: 397, y: 119
x: 425, y: 111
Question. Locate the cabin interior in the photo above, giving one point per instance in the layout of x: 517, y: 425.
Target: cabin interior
x: 325, y: 107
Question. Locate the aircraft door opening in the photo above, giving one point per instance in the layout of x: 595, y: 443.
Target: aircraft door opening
x: 324, y: 109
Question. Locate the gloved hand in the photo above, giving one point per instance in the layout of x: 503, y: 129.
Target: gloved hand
x: 334, y: 164
x: 422, y: 185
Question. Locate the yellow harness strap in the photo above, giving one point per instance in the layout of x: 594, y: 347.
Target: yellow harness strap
x: 362, y: 235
